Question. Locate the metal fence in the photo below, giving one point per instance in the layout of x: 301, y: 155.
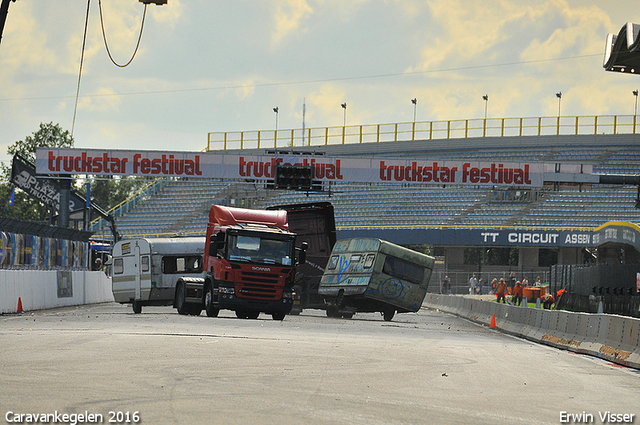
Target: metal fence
x: 424, y: 130
x: 606, y: 288
x: 460, y: 278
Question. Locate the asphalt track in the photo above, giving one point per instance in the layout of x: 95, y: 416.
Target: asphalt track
x: 423, y: 368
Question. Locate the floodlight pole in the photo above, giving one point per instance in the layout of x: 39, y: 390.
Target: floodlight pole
x: 415, y: 105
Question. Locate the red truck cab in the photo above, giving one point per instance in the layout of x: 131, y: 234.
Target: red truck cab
x: 250, y: 261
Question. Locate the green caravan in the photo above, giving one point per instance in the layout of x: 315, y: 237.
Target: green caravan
x: 372, y: 275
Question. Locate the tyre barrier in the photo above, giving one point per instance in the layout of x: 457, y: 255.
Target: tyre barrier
x: 607, y: 336
x: 43, y: 289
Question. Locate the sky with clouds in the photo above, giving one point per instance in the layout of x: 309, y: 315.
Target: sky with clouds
x: 223, y: 65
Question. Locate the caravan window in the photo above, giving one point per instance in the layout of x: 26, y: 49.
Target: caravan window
x: 181, y: 264
x: 403, y: 270
x: 145, y: 263
x: 118, y: 266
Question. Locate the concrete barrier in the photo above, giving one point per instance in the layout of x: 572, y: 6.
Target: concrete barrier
x: 41, y: 289
x: 611, y: 337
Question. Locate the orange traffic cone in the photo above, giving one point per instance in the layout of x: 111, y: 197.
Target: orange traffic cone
x: 493, y: 321
x: 19, y: 305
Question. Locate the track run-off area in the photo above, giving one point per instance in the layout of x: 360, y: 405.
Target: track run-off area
x: 103, y: 364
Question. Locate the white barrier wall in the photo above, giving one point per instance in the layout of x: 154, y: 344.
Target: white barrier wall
x: 41, y: 289
x: 611, y: 337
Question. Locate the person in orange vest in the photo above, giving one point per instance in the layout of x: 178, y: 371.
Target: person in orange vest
x: 502, y: 286
x: 517, y: 293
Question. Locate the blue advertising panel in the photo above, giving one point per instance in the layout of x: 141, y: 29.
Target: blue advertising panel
x: 574, y: 237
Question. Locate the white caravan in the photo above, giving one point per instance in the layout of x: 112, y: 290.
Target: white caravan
x: 145, y: 270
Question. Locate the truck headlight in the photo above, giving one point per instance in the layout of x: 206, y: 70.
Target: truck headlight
x: 225, y: 290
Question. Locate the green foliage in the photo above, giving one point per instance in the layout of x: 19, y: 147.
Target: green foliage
x: 491, y: 256
x: 424, y: 249
x: 48, y: 135
x: 24, y: 207
x: 109, y: 192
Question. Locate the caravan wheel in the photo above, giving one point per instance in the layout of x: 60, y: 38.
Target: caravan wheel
x: 137, y: 307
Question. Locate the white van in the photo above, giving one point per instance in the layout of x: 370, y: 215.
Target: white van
x: 145, y: 271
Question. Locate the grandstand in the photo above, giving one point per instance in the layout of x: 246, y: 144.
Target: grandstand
x: 183, y: 205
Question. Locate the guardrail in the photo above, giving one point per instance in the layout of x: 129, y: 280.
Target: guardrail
x: 610, y: 337
x: 424, y: 130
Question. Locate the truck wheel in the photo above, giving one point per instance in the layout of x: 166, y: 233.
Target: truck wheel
x: 278, y: 316
x: 332, y: 311
x: 208, y: 302
x: 195, y: 310
x: 347, y: 315
x: 252, y: 314
x: 388, y: 314
x: 180, y: 304
x: 241, y: 314
x: 137, y: 307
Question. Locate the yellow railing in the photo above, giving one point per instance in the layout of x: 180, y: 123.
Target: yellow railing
x: 423, y: 130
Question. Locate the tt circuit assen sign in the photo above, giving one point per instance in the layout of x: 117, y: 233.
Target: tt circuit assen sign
x: 324, y: 168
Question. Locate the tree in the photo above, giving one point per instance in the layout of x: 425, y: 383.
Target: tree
x: 109, y: 192
x: 105, y: 192
x: 24, y: 207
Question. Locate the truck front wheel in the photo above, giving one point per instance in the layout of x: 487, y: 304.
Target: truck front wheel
x: 181, y: 306
x: 208, y: 302
x: 278, y: 316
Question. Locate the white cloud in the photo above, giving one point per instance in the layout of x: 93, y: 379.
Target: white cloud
x: 288, y: 17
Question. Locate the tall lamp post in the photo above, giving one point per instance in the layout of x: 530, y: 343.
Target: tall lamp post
x: 486, y: 103
x: 559, y: 96
x: 484, y: 123
x: 635, y: 113
x: 275, y: 133
x: 413, y: 128
x: 344, y: 122
x: 415, y: 105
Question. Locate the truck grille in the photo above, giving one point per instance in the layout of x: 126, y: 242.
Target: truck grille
x: 259, y: 285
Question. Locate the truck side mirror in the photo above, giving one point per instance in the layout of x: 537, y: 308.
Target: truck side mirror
x: 220, y: 240
x: 216, y: 243
x: 302, y: 257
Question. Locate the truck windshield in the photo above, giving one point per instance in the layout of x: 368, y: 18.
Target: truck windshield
x: 259, y: 250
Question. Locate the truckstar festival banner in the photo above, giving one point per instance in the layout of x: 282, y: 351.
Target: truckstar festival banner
x: 324, y: 168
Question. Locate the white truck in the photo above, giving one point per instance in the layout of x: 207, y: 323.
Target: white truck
x: 145, y: 270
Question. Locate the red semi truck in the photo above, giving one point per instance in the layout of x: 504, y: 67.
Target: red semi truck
x: 250, y: 264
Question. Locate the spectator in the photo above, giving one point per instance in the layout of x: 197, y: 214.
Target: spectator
x: 538, y: 282
x: 479, y: 288
x: 98, y: 264
x: 525, y: 282
x: 548, y: 301
x: 473, y: 283
x: 494, y: 286
x: 502, y: 286
x: 511, y: 282
x: 446, y: 285
x: 517, y: 293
